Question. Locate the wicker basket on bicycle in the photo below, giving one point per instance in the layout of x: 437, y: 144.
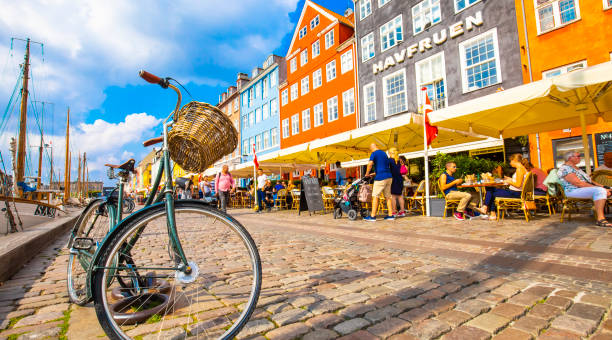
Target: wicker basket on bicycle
x: 201, y: 135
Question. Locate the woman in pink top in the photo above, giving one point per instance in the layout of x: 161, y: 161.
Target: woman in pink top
x: 224, y: 183
x: 539, y: 177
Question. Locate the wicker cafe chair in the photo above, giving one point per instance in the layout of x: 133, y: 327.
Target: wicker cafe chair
x: 416, y: 203
x: 295, y: 195
x: 281, y: 199
x: 569, y: 203
x: 504, y: 203
x: 328, y: 198
x: 449, y: 204
x: 547, y: 200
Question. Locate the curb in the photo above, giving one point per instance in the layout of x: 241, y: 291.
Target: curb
x: 21, y: 247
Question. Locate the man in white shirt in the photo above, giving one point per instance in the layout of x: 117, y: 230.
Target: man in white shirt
x: 261, y: 181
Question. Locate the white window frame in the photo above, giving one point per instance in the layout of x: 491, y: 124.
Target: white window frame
x: 266, y: 139
x: 284, y: 97
x: 317, y: 75
x: 295, y: 124
x: 329, y: 39
x: 265, y: 111
x: 425, y: 15
x: 556, y: 15
x: 273, y: 78
x: 468, y: 5
x: 391, y: 26
x: 273, y: 107
x: 368, y: 45
x: 314, y: 22
x: 366, y: 103
x: 318, y: 48
x: 330, y: 71
x: 286, y: 128
x: 303, y: 31
x: 304, y: 57
x: 365, y: 6
x: 348, y: 98
x: 305, y: 85
x: 318, y: 114
x: 464, y: 78
x: 251, y: 144
x: 346, y: 61
x: 265, y: 85
x: 606, y: 5
x: 564, y: 69
x: 252, y: 118
x: 258, y: 115
x: 306, y: 119
x: 383, y: 2
x: 294, y: 92
x: 330, y: 101
x: 420, y: 82
x: 384, y: 85
x: 258, y: 142
x: 274, y: 137
x: 245, y: 146
x: 293, y: 65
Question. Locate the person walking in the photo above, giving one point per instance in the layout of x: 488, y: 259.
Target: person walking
x: 340, y: 174
x: 261, y: 182
x: 382, y: 181
x: 397, y: 183
x: 224, y: 184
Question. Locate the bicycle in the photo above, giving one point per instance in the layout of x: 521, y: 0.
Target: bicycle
x: 174, y: 264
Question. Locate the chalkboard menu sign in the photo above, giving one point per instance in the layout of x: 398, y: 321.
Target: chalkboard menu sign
x: 311, y: 198
x: 603, y: 143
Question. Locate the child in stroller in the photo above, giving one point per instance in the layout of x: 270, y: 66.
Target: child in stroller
x: 348, y: 201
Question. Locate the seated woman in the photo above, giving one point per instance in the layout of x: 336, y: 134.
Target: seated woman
x: 577, y: 184
x: 515, y: 186
x: 538, y: 177
x: 268, y: 191
x: 448, y: 184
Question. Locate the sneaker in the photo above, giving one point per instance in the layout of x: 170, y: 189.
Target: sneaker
x: 484, y: 216
x: 369, y: 219
x: 459, y: 216
x: 390, y: 217
x: 469, y: 215
x: 401, y: 213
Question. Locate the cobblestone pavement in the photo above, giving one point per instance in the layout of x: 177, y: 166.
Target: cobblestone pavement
x: 413, y: 278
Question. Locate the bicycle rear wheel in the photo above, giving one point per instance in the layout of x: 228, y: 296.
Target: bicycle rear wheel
x: 93, y: 223
x: 145, y: 294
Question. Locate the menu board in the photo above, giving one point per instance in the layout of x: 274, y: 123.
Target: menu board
x: 603, y: 143
x: 311, y: 198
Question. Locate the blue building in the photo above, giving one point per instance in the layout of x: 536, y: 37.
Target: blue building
x: 259, y: 109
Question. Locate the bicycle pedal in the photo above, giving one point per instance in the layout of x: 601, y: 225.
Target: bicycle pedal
x: 83, y: 243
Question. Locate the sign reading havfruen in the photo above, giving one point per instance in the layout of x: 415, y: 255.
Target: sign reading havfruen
x: 423, y: 45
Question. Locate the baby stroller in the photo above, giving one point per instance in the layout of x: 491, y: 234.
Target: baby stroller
x: 348, y: 202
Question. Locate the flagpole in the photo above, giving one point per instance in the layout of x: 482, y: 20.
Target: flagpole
x: 255, y: 179
x: 427, y: 205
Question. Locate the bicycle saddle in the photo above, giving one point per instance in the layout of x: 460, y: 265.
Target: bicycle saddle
x: 127, y: 166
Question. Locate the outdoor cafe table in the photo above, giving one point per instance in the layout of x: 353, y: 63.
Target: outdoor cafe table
x: 480, y: 186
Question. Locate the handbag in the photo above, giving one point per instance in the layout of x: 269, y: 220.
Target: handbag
x: 365, y: 193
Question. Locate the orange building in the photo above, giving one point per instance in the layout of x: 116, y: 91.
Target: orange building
x: 564, y: 35
x: 319, y: 98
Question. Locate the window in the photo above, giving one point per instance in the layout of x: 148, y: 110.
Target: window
x: 284, y: 97
x: 273, y: 107
x: 318, y: 114
x: 251, y: 145
x: 316, y: 49
x: 251, y: 96
x: 607, y: 4
x: 426, y: 12
x: 391, y: 33
x: 317, y: 79
x: 305, y: 85
x: 266, y: 139
x: 303, y: 57
x: 346, y: 62
x: 480, y: 61
x: 294, y: 92
x: 266, y: 86
x: 303, y: 32
x: 369, y: 92
x: 245, y: 99
x: 348, y: 102
x: 430, y: 73
x: 367, y: 47
x: 460, y: 5
x: 245, y: 147
x: 563, y: 145
x: 258, y: 142
x: 251, y: 118
x: 329, y: 39
x: 236, y: 104
x: 314, y: 22
x: 285, y: 127
x: 245, y: 121
x: 555, y: 13
x: 330, y: 70
x: 382, y: 2
x: 365, y: 8
x: 258, y: 90
x: 295, y: 124
x: 258, y: 115
x: 273, y: 78
x: 394, y: 93
x: 274, y: 136
x: 266, y: 111
x: 306, y: 120
x: 564, y: 69
x: 332, y: 109
x: 293, y: 65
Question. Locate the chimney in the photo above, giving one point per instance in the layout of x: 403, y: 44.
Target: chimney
x: 243, y: 78
x: 224, y: 96
x: 348, y: 12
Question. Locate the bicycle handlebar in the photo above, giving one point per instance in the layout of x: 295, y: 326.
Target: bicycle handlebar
x: 153, y: 79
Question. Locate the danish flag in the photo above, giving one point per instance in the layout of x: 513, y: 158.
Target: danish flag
x: 430, y: 130
x: 255, y: 158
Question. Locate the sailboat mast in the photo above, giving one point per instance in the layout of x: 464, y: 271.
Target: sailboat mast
x: 79, y: 184
x: 84, y: 178
x: 21, y: 150
x: 67, y: 165
x: 51, y: 169
x: 40, y: 152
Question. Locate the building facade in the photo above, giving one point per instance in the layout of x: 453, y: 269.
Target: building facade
x: 259, y: 109
x: 229, y: 103
x: 457, y: 49
x: 555, y: 38
x: 319, y: 98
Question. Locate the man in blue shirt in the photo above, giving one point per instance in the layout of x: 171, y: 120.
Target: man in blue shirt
x: 382, y: 181
x: 340, y: 174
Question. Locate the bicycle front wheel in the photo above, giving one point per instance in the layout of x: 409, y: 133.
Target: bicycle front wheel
x: 139, y: 290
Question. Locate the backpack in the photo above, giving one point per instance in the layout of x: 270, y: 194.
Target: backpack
x: 365, y: 193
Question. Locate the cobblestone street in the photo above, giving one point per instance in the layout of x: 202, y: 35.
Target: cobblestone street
x: 413, y: 278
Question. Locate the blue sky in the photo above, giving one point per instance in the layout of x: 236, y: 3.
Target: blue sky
x: 94, y: 49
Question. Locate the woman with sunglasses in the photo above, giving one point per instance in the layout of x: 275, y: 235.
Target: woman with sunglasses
x: 577, y: 184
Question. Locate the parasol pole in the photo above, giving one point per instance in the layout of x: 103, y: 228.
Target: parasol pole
x: 585, y: 143
x: 427, y: 205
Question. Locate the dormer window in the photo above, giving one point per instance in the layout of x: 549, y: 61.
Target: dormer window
x: 314, y: 22
x: 303, y: 32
